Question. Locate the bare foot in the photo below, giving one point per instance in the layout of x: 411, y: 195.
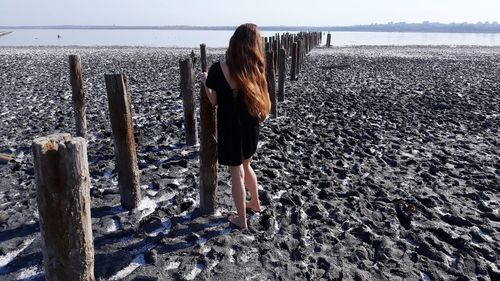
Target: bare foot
x: 254, y: 206
x: 235, y: 219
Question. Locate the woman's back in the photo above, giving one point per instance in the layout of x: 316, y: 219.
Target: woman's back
x: 237, y: 130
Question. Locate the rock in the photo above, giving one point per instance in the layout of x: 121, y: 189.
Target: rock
x: 151, y: 257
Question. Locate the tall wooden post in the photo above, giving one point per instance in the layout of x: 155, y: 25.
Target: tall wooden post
x: 271, y: 83
x: 203, y: 57
x: 299, y: 56
x: 328, y: 40
x: 281, y: 74
x: 63, y: 197
x: 208, y: 147
x: 293, y: 70
x: 306, y: 43
x: 79, y: 106
x: 187, y: 93
x: 123, y: 137
x: 284, y: 42
x: 275, y: 56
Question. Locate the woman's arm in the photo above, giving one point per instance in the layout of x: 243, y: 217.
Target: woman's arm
x: 212, y: 97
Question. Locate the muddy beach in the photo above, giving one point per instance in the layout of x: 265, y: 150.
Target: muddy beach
x: 384, y: 164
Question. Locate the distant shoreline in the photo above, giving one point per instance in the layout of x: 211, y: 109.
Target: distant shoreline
x: 390, y: 27
x: 2, y: 33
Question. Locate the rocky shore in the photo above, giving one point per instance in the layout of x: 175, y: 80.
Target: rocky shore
x: 384, y: 164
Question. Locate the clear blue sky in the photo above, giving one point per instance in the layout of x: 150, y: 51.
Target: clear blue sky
x: 234, y: 12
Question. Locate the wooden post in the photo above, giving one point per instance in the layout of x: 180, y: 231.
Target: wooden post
x: 278, y: 43
x: 281, y: 74
x: 284, y: 42
x: 299, y: 56
x: 271, y: 83
x: 187, y: 93
x: 79, y: 107
x: 208, y: 147
x: 63, y: 197
x: 328, y: 40
x: 123, y: 137
x: 275, y: 54
x: 203, y: 57
x: 293, y: 70
x: 306, y: 43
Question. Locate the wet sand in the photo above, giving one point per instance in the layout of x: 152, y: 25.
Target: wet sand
x: 383, y: 165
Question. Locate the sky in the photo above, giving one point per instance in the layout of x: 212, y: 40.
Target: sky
x: 234, y: 12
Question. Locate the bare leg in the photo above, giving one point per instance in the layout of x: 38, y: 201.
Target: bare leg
x: 238, y: 191
x: 251, y: 184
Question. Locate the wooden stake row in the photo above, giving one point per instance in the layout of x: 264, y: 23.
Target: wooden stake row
x: 63, y: 180
x: 61, y: 165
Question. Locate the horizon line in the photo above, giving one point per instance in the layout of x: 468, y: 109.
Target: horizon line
x: 260, y: 26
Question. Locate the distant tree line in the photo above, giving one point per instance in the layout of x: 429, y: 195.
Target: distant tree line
x: 480, y: 27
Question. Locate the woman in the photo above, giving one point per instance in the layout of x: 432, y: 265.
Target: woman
x: 238, y: 87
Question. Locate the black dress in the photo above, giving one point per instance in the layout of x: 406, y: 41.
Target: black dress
x: 237, y: 130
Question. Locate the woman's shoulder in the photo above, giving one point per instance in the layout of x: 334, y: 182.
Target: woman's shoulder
x: 214, y: 76
x: 215, y: 65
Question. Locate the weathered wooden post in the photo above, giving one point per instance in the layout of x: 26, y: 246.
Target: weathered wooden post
x: 79, y: 106
x: 293, y: 70
x: 284, y: 42
x: 63, y: 197
x: 278, y: 42
x: 305, y: 43
x: 328, y: 40
x: 188, y: 101
x: 281, y: 74
x: 299, y: 56
x: 123, y: 137
x: 208, y: 147
x: 271, y: 83
x: 275, y: 54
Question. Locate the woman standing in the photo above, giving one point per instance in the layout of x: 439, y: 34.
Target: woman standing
x: 238, y: 87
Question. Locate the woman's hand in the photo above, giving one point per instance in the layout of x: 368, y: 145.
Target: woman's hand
x: 210, y: 93
x: 203, y: 77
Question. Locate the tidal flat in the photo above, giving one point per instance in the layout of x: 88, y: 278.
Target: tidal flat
x: 383, y: 164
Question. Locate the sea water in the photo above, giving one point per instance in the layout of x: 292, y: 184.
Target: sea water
x: 220, y: 38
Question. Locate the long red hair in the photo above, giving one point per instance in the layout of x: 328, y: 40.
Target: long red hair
x: 247, y: 65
